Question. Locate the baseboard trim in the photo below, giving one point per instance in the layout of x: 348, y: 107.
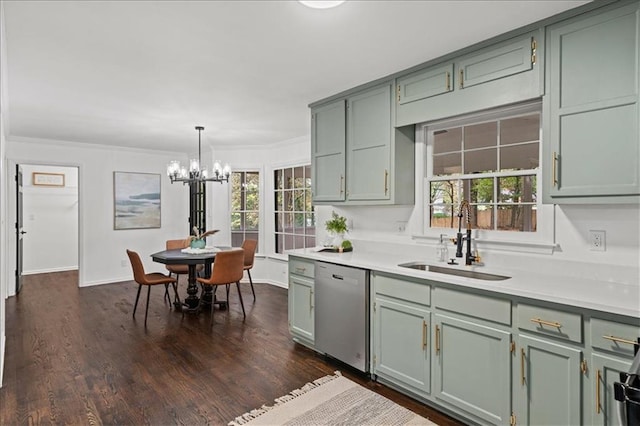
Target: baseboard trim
x: 47, y: 271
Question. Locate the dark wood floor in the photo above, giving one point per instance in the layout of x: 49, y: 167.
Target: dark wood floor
x: 76, y: 356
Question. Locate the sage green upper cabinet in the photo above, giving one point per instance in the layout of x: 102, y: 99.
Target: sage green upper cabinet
x: 328, y: 151
x: 503, y: 73
x: 357, y: 156
x: 591, y: 145
x: 368, y: 144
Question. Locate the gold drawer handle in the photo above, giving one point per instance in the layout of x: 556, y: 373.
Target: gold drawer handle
x: 554, y: 169
x: 598, y: 391
x: 549, y: 323
x: 301, y: 270
x: 424, y: 334
x: 522, y: 361
x: 437, y: 339
x: 620, y: 340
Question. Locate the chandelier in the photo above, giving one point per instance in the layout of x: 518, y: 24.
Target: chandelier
x: 196, y: 172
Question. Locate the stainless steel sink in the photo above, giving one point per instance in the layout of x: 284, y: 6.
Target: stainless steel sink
x: 450, y: 271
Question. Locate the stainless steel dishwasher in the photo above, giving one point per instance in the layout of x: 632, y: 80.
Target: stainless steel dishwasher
x: 342, y: 313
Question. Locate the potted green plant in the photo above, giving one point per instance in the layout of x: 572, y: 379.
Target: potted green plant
x: 336, y: 226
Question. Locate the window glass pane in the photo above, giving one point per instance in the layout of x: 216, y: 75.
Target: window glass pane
x: 236, y: 221
x: 443, y: 216
x: 481, y: 161
x: 288, y: 201
x: 307, y: 177
x: 279, y: 222
x: 287, y: 224
x: 310, y: 241
x: 310, y: 223
x: 279, y: 179
x: 481, y: 135
x: 252, y: 181
x: 252, y: 201
x: 288, y: 178
x: 520, y: 129
x: 279, y: 201
x: 298, y: 181
x: 482, y: 216
x: 517, y: 189
x: 236, y: 239
x: 447, y: 164
x: 298, y: 223
x: 289, y: 242
x: 308, y: 201
x: 251, y: 221
x: 520, y: 157
x: 449, y: 140
x: 517, y: 217
x: 298, y: 204
x: 481, y: 191
x: 444, y: 192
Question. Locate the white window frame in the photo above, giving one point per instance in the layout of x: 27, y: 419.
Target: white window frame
x: 541, y: 240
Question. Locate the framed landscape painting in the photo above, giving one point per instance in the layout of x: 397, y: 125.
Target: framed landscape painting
x: 136, y: 200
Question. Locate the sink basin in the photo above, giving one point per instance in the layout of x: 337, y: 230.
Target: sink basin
x: 450, y: 271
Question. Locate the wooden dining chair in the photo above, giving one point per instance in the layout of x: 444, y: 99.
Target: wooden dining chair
x: 249, y: 247
x: 142, y: 278
x: 179, y: 269
x: 228, y: 268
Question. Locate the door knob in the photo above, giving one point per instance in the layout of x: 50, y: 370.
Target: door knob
x: 23, y: 232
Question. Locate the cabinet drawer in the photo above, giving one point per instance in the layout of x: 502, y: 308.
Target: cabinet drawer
x: 614, y: 336
x: 550, y: 322
x: 403, y: 288
x: 474, y: 305
x: 306, y: 268
x: 425, y: 84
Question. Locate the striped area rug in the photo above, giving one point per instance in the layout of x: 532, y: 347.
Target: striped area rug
x: 331, y: 400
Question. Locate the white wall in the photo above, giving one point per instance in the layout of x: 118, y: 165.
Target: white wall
x: 50, y: 220
x: 102, y: 256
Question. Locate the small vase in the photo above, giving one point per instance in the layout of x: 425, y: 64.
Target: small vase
x: 338, y: 237
x: 198, y: 244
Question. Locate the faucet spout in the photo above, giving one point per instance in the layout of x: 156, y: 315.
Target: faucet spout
x: 462, y: 212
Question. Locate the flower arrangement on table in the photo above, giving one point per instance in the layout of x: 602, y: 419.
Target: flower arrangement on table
x: 197, y: 240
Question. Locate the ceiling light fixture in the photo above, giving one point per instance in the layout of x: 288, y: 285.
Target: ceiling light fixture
x: 197, y: 173
x: 321, y: 4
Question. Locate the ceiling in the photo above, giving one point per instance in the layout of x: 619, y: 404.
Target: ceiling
x: 144, y: 73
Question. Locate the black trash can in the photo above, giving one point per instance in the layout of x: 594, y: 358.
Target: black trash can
x: 627, y: 392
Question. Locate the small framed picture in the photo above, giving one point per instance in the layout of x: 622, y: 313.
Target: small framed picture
x: 48, y: 179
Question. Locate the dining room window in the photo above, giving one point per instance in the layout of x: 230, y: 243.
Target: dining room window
x: 245, y: 206
x: 294, y: 214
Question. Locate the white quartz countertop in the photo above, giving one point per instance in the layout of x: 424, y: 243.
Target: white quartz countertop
x: 595, y: 294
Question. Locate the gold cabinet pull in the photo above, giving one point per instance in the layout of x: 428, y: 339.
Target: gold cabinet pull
x: 398, y: 92
x: 584, y: 367
x: 620, y: 340
x: 311, y: 299
x: 461, y: 78
x: 437, y: 339
x: 386, y: 179
x: 598, y: 391
x: 554, y: 169
x: 341, y: 184
x: 549, y: 323
x: 424, y: 334
x: 522, y: 360
x: 301, y: 270
x: 448, y: 81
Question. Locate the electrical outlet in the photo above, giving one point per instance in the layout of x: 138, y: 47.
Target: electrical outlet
x: 597, y: 240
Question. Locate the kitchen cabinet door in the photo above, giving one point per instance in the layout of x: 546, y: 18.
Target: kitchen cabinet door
x: 401, y: 349
x: 425, y: 84
x: 328, y: 133
x: 548, y: 387
x: 301, y: 312
x: 591, y: 123
x: 472, y: 368
x: 603, y: 373
x: 368, y: 144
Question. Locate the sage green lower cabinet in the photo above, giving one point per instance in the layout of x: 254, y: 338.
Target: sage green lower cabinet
x: 301, y: 301
x: 401, y: 329
x: 472, y: 364
x: 548, y: 388
x: 401, y: 349
x: 604, y: 372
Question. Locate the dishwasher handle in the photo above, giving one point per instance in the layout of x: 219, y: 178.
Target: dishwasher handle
x: 337, y: 277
